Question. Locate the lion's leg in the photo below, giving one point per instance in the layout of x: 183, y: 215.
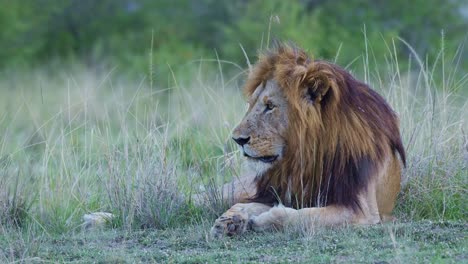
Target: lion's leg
x: 332, y: 215
x: 239, y: 190
x: 388, y: 187
x: 236, y: 219
x: 280, y: 216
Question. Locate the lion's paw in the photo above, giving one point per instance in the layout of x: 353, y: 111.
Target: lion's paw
x: 230, y: 224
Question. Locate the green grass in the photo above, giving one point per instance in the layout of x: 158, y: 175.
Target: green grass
x: 75, y: 141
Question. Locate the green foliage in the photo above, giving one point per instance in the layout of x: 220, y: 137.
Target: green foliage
x: 339, y: 29
x: 18, y: 43
x: 144, y: 35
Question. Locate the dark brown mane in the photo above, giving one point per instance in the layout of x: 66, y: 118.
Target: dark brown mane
x: 340, y: 132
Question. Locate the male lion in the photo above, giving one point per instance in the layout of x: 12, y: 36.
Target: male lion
x: 323, y: 147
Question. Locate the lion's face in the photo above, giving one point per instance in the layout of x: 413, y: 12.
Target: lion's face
x: 262, y: 132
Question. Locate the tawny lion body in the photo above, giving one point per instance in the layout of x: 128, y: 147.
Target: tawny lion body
x: 322, y: 147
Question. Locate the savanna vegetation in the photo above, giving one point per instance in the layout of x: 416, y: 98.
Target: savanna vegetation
x: 127, y: 106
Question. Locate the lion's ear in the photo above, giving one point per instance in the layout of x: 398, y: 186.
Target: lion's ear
x: 316, y: 89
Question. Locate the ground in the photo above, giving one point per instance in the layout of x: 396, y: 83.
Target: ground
x: 426, y: 241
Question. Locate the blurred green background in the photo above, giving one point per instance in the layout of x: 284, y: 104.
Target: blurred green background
x: 168, y: 34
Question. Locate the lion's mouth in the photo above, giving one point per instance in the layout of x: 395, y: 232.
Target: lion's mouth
x: 265, y: 159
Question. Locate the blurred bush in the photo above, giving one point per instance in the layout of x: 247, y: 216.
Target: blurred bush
x: 127, y: 32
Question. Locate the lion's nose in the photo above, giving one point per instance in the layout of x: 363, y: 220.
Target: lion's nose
x: 241, y: 140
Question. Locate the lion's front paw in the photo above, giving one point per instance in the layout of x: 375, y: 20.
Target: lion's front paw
x: 230, y: 224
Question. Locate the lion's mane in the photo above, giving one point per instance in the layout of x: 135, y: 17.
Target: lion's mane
x: 340, y: 132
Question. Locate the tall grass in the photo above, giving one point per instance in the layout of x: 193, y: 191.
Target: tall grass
x: 74, y: 141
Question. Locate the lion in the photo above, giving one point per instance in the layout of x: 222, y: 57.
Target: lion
x: 321, y: 145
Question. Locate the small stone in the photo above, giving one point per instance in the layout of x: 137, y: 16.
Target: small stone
x: 97, y: 219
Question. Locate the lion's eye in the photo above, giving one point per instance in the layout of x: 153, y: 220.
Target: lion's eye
x: 269, y: 106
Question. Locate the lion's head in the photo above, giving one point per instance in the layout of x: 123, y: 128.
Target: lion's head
x: 263, y: 131
x: 312, y: 132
